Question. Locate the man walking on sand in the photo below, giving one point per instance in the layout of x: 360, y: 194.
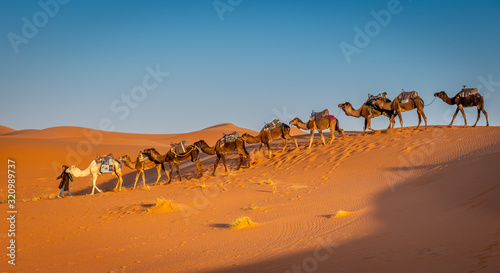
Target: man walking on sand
x: 64, y: 185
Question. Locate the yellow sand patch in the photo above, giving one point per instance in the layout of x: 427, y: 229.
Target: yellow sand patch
x: 341, y: 213
x: 242, y: 222
x: 162, y: 205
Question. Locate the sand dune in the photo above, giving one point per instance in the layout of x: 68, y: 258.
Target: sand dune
x: 4, y: 130
x: 411, y: 201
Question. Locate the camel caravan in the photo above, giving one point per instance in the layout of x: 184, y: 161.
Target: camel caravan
x: 375, y: 105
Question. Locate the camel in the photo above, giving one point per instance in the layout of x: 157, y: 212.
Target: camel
x: 264, y: 138
x: 222, y: 151
x: 461, y: 102
x: 174, y: 159
x: 320, y: 124
x: 398, y: 107
x: 95, y: 169
x: 141, y: 164
x: 368, y: 112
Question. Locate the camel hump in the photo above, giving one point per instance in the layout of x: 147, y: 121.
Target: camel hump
x: 468, y: 92
x: 273, y: 124
x: 406, y: 96
x: 106, y: 163
x: 179, y: 147
x: 373, y: 97
x: 227, y: 138
x: 318, y: 115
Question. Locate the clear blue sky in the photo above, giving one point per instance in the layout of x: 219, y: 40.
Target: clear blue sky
x: 237, y: 61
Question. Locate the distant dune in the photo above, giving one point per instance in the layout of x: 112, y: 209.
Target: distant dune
x: 5, y: 129
x: 391, y: 201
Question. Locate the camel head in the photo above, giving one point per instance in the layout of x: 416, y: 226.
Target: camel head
x: 124, y: 158
x: 245, y: 136
x: 344, y: 105
x: 440, y: 95
x: 71, y: 169
x: 142, y: 156
x: 294, y: 121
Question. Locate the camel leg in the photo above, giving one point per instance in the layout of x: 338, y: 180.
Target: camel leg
x: 419, y: 119
x: 341, y: 131
x: 391, y: 119
x: 294, y: 140
x: 199, y: 167
x: 165, y: 171
x: 453, y: 119
x: 365, y: 125
x: 224, y: 162
x: 284, y: 144
x: 171, y: 172
x: 370, y: 124
x: 332, y: 128
x: 94, y: 184
x: 421, y: 114
x: 288, y: 136
x: 486, y: 116
x: 120, y: 181
x: 311, y: 139
x: 478, y: 116
x: 158, y: 169
x: 461, y: 108
x: 143, y: 179
x: 400, y: 120
x: 136, y: 178
x: 424, y: 117
x: 216, y: 164
x: 241, y: 162
x: 178, y: 171
x: 269, y: 149
x: 322, y: 136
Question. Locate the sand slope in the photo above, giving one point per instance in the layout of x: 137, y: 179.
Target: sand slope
x: 412, y: 201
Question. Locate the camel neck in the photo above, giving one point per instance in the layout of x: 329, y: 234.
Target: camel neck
x: 253, y: 139
x: 83, y: 173
x: 352, y: 112
x: 302, y: 125
x: 208, y: 150
x: 129, y: 163
x: 448, y: 100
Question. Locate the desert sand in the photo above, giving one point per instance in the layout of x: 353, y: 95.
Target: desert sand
x: 391, y: 201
